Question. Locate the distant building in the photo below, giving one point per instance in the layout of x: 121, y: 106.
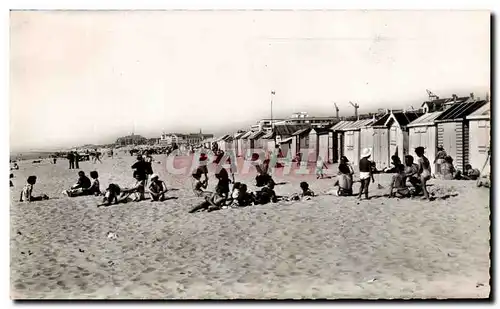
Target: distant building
x: 264, y: 125
x: 131, y: 140
x: 168, y: 139
x: 304, y: 118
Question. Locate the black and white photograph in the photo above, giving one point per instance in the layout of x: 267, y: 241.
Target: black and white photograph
x: 249, y: 154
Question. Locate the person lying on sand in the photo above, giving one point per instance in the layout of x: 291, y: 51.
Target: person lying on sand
x: 81, y: 187
x: 27, y: 192
x: 398, y: 186
x: 211, y: 203
x: 157, y: 189
x: 470, y: 173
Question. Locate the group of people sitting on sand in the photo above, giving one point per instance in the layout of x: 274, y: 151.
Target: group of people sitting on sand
x: 238, y: 195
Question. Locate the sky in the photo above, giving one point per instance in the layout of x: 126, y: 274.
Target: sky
x: 89, y: 77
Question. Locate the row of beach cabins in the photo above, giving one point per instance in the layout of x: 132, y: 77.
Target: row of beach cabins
x: 461, y: 125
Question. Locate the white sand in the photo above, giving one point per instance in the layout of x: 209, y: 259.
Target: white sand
x: 328, y: 247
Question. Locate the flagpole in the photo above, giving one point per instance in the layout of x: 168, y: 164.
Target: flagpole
x: 272, y: 95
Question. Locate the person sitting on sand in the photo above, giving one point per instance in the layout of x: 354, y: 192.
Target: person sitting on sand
x: 320, y: 164
x: 138, y: 189
x: 81, y: 187
x: 306, y: 191
x: 448, y: 171
x: 157, y: 189
x: 244, y: 198
x: 266, y: 195
x: 344, y: 177
x: 398, y: 186
x: 213, y: 202
x: 111, y: 195
x: 411, y: 172
x: 424, y: 170
x: 27, y: 192
x: 199, y: 186
x: 224, y: 180
x: 440, y: 160
x: 141, y: 167
x: 395, y: 162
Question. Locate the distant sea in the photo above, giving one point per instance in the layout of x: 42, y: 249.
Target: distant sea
x: 30, y: 155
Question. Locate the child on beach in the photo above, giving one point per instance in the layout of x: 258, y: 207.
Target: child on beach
x: 448, y: 171
x: 27, y: 192
x: 320, y: 164
x: 398, y: 183
x: 344, y: 178
x: 157, y: 189
x: 306, y: 193
x: 365, y: 172
x: 424, y: 170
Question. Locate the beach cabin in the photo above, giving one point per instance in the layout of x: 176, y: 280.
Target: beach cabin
x: 337, y: 138
x: 256, y: 141
x: 320, y: 140
x: 300, y: 141
x: 480, y: 129
x: 283, y: 137
x: 226, y: 143
x: 238, y: 143
x: 244, y: 144
x: 422, y: 132
x: 352, y: 139
x: 269, y: 141
x: 390, y: 136
x: 453, y: 131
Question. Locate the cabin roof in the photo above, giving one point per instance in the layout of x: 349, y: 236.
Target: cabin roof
x: 323, y: 130
x: 301, y: 132
x: 381, y: 121
x: 356, y: 125
x: 289, y: 129
x: 246, y: 135
x: 425, y: 120
x: 268, y: 135
x: 484, y: 112
x: 440, y: 102
x: 459, y: 111
x: 256, y: 135
x: 239, y: 135
x: 344, y: 123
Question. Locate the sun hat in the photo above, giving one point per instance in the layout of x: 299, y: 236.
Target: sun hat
x: 366, y: 153
x: 153, y: 176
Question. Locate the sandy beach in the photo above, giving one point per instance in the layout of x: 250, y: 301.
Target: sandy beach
x: 327, y: 247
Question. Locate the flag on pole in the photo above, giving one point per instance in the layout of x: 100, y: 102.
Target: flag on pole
x: 272, y: 92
